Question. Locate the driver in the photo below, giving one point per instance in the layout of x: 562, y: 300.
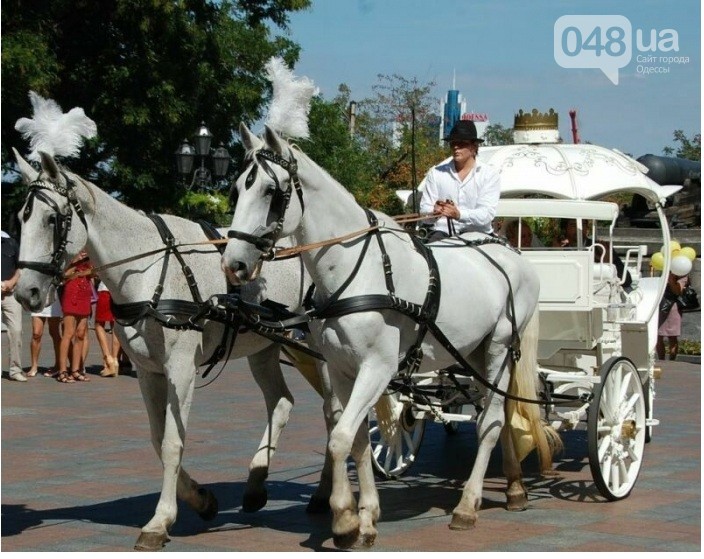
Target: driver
x: 461, y: 193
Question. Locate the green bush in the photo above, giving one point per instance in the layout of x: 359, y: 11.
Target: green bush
x: 210, y: 206
x: 690, y: 347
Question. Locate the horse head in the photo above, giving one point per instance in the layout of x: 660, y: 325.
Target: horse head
x: 261, y: 198
x: 48, y: 241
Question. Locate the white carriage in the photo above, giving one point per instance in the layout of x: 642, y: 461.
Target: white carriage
x: 597, y: 340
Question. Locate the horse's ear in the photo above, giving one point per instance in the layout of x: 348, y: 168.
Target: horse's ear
x: 50, y: 166
x: 249, y: 140
x: 29, y: 175
x: 274, y: 141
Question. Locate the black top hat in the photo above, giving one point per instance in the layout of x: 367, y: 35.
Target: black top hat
x: 463, y: 131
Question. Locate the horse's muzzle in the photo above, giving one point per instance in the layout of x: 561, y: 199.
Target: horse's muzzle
x: 30, y: 299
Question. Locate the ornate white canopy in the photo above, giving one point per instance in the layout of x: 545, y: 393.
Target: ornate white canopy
x: 572, y: 171
x: 569, y: 171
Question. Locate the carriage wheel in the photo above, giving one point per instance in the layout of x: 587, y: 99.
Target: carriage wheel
x: 616, y: 429
x: 452, y: 427
x: 394, y: 446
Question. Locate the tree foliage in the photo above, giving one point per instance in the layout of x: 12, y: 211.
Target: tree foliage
x: 148, y: 72
x: 687, y: 149
x: 498, y: 135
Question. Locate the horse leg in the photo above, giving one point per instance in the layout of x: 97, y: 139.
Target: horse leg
x: 345, y: 523
x: 279, y: 401
x: 332, y: 409
x: 368, y: 508
x: 489, y: 426
x: 516, y: 494
x: 347, y: 526
x: 168, y: 431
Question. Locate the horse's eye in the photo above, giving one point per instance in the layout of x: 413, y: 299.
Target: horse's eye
x: 270, y: 191
x: 251, y: 177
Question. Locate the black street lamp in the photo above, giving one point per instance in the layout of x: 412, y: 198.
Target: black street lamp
x: 202, y: 176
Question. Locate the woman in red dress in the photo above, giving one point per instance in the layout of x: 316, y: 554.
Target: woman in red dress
x: 76, y: 305
x: 104, y: 320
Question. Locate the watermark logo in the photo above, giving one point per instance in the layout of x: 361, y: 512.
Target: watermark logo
x: 607, y: 42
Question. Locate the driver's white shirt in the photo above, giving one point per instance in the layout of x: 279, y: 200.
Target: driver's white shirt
x: 476, y: 196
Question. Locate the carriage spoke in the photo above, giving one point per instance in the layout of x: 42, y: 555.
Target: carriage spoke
x: 604, y: 447
x: 615, y: 477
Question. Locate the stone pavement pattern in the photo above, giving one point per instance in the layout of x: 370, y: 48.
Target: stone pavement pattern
x: 79, y: 474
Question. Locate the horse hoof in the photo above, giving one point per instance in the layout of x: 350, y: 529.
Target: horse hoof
x: 346, y: 541
x: 318, y: 505
x: 516, y: 503
x: 463, y: 521
x: 252, y: 502
x: 366, y: 540
x: 210, y: 508
x: 151, y: 541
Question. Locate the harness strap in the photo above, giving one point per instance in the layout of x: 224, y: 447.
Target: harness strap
x: 213, y: 234
x: 385, y: 260
x: 128, y: 314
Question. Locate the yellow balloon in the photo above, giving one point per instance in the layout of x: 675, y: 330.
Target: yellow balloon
x: 689, y: 252
x: 657, y: 261
x: 676, y: 252
x: 674, y: 245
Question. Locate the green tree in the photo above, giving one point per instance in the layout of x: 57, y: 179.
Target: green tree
x: 148, y: 72
x: 398, y: 128
x: 498, y: 135
x: 687, y: 149
x: 332, y: 146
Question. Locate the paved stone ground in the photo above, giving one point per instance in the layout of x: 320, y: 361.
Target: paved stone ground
x: 79, y: 475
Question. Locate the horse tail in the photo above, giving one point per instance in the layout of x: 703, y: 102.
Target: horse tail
x: 386, y: 420
x: 527, y: 429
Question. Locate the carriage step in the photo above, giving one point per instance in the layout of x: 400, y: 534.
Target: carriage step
x: 458, y: 417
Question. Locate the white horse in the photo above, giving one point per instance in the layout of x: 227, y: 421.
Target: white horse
x: 479, y: 314
x: 166, y: 360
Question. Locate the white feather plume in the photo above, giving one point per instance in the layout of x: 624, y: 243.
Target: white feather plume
x: 290, y: 103
x: 52, y: 131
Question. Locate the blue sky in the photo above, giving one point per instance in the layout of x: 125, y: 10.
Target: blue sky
x: 503, y: 54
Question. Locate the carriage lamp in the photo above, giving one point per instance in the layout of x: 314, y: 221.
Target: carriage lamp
x: 203, y: 179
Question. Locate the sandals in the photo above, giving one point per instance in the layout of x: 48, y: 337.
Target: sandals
x: 51, y: 373
x: 64, y: 377
x: 79, y: 376
x: 31, y: 373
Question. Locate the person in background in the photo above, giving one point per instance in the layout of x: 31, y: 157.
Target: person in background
x: 51, y: 314
x: 567, y: 237
x: 11, y: 308
x: 104, y: 326
x: 528, y: 239
x: 670, y: 324
x: 461, y: 194
x: 76, y: 305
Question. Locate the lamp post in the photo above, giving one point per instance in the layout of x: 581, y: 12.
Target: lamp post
x: 203, y: 178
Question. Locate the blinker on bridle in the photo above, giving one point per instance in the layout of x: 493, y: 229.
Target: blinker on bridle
x: 279, y: 202
x: 38, y: 191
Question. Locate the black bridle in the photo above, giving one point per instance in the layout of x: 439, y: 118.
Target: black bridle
x: 279, y: 203
x: 62, y: 224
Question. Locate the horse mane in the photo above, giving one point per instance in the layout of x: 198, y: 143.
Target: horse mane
x: 299, y: 152
x: 83, y: 182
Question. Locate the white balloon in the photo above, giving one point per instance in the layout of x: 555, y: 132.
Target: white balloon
x: 681, y: 265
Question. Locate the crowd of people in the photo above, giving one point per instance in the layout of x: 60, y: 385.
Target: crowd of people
x: 79, y: 298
